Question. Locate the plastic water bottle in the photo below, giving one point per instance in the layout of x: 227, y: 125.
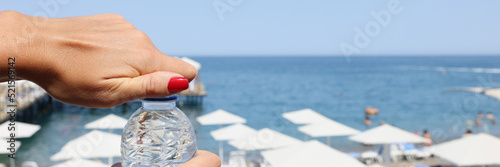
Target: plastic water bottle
x: 158, y: 135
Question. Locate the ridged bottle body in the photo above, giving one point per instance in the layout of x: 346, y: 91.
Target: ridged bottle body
x: 157, y: 135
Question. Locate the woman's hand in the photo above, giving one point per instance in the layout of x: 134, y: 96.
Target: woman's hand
x: 93, y: 61
x: 201, y: 159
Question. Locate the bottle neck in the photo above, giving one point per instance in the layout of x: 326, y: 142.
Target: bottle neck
x: 158, y: 105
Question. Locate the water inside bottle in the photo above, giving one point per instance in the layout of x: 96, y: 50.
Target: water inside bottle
x: 159, y: 138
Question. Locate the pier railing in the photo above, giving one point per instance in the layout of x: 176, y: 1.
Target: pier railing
x: 27, y: 93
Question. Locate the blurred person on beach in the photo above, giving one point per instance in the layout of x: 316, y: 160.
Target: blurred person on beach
x: 479, y: 115
x: 468, y: 133
x: 367, y: 121
x: 428, y: 136
x: 97, y: 61
x: 479, y: 118
x: 478, y: 122
x: 371, y: 110
x: 416, y: 132
x: 491, y: 117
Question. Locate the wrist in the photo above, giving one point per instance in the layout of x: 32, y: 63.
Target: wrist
x: 20, y: 40
x: 14, y: 43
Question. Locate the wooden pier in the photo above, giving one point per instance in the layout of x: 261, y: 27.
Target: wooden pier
x: 30, y: 100
x: 193, y: 96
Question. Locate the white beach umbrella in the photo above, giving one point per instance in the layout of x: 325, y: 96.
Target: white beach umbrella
x: 387, y: 134
x: 318, y: 125
x: 22, y: 130
x: 6, y: 146
x: 264, y: 139
x: 476, y: 150
x: 80, y: 163
x: 311, y: 153
x: 327, y: 129
x: 220, y: 117
x: 232, y: 132
x: 110, y: 121
x: 95, y: 144
x: 6, y: 150
x: 304, y: 116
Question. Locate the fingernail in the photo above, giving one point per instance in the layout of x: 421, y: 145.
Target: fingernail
x: 177, y: 84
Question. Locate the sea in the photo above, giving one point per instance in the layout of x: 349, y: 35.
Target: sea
x: 411, y: 92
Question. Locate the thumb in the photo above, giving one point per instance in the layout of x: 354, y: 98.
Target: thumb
x: 154, y: 85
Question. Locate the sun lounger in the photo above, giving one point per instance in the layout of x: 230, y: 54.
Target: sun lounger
x: 409, y: 151
x: 237, y: 159
x: 371, y: 156
x: 396, y: 152
x: 418, y: 165
x: 355, y: 155
x: 423, y: 153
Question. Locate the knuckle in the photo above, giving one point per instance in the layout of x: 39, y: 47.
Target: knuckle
x: 128, y: 25
x: 141, y: 34
x: 149, y: 85
x: 138, y: 35
x: 114, y: 16
x: 11, y: 13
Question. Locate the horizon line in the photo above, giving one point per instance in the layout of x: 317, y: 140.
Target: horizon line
x: 321, y: 55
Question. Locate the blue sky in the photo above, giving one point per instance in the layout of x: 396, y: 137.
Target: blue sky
x: 293, y: 27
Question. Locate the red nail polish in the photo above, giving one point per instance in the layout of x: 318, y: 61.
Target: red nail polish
x: 177, y: 84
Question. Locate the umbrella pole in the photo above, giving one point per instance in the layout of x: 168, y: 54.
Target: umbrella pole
x: 221, y: 152
x: 110, y: 159
x: 386, y: 155
x: 328, y: 140
x: 12, y: 162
